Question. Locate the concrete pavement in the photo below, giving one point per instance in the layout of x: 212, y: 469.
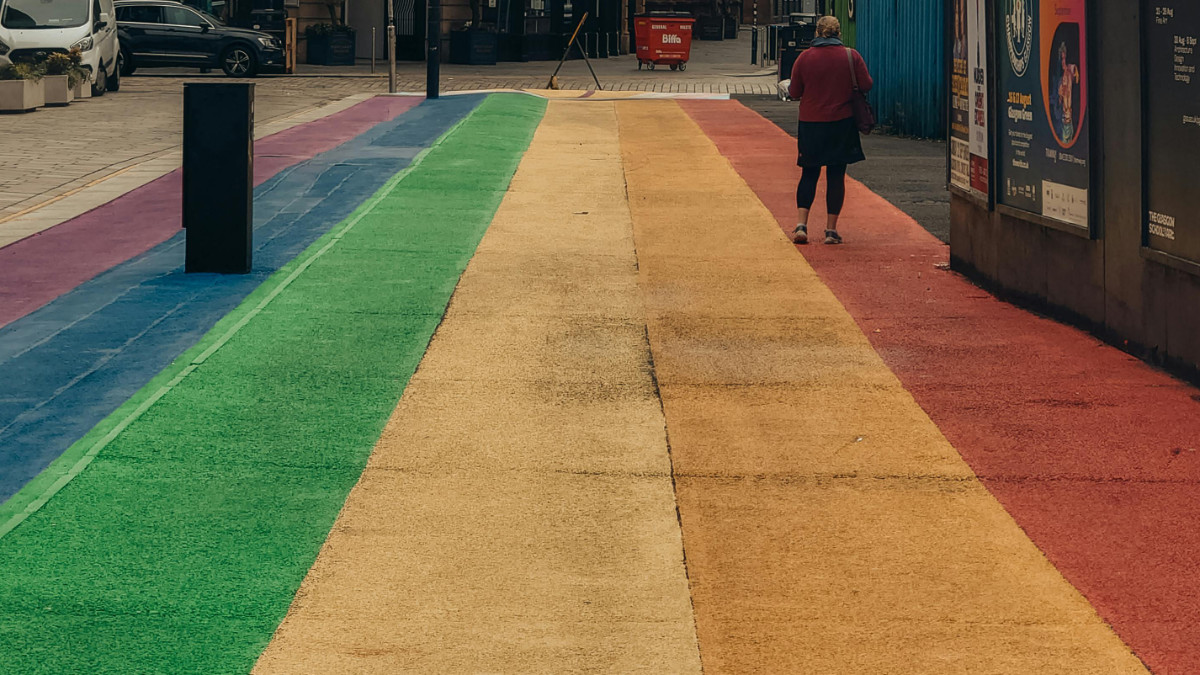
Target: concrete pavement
x: 65, y: 162
x: 560, y: 396
x: 542, y: 514
x: 1087, y: 448
x: 58, y: 151
x: 829, y: 525
x: 566, y: 555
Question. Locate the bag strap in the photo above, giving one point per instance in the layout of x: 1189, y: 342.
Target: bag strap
x: 853, y: 75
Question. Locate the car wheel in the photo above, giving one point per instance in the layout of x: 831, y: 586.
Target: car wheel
x: 125, y: 63
x: 114, y: 82
x: 101, y: 84
x: 239, y: 61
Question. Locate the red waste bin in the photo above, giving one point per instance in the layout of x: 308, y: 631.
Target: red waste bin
x: 663, y: 41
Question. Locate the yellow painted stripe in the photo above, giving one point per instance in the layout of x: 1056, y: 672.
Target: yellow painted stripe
x: 829, y: 526
x: 517, y: 515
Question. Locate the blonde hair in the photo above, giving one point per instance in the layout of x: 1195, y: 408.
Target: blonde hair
x: 829, y: 26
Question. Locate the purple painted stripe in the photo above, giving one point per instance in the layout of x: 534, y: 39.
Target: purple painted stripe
x: 38, y: 269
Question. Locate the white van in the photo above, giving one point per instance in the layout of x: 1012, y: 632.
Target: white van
x: 30, y: 30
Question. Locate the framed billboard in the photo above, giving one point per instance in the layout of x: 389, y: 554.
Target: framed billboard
x: 1170, y: 46
x: 1044, y: 139
x: 969, y: 110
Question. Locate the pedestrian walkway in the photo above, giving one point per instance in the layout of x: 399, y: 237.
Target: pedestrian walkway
x: 54, y: 173
x: 112, y: 227
x: 541, y: 533
x: 1090, y: 450
x: 546, y: 388
x: 820, y: 506
x: 103, y: 338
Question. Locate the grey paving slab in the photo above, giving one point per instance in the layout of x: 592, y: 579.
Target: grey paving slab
x: 54, y: 151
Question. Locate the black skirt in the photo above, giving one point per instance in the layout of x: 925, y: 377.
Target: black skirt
x: 829, y: 143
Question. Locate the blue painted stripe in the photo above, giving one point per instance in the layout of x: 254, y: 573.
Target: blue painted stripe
x: 68, y: 365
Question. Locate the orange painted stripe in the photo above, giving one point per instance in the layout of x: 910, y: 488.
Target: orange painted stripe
x: 828, y: 524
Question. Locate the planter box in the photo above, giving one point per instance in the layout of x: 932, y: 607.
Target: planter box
x: 533, y: 47
x: 473, y: 47
x: 709, y: 28
x: 83, y: 89
x: 542, y: 48
x: 21, y: 95
x: 510, y: 47
x: 332, y: 49
x: 58, y: 93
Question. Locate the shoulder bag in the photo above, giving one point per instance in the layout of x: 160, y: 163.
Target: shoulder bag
x: 864, y: 114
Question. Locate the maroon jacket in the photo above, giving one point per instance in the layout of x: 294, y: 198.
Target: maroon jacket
x: 821, y: 82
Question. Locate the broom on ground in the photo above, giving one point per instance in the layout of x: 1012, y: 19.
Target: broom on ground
x: 553, y: 84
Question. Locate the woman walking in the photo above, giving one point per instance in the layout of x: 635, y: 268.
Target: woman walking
x: 823, y: 80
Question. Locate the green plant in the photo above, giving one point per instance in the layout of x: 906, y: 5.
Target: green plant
x: 78, y: 71
x: 68, y: 64
x: 318, y: 29
x: 58, y: 63
x: 22, y: 71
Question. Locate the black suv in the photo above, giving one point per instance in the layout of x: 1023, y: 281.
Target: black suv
x: 157, y: 33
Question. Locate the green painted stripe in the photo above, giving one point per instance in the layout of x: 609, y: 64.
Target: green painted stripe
x: 207, y: 496
x: 26, y: 502
x: 60, y: 472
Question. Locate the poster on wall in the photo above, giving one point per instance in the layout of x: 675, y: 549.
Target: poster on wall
x: 960, y: 115
x: 977, y: 65
x: 969, y: 165
x: 1044, y: 147
x: 1172, y: 38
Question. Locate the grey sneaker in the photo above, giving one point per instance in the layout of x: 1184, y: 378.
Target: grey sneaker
x: 800, y: 234
x: 832, y: 237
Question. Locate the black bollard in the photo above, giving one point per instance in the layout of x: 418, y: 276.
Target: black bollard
x: 433, y: 53
x: 218, y: 176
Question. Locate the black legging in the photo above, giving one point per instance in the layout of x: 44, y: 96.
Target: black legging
x: 835, y: 188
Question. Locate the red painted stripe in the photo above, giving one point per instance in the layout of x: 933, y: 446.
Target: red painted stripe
x: 38, y: 269
x: 1094, y: 453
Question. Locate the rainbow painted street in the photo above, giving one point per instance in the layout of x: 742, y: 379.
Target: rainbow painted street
x: 538, y: 384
